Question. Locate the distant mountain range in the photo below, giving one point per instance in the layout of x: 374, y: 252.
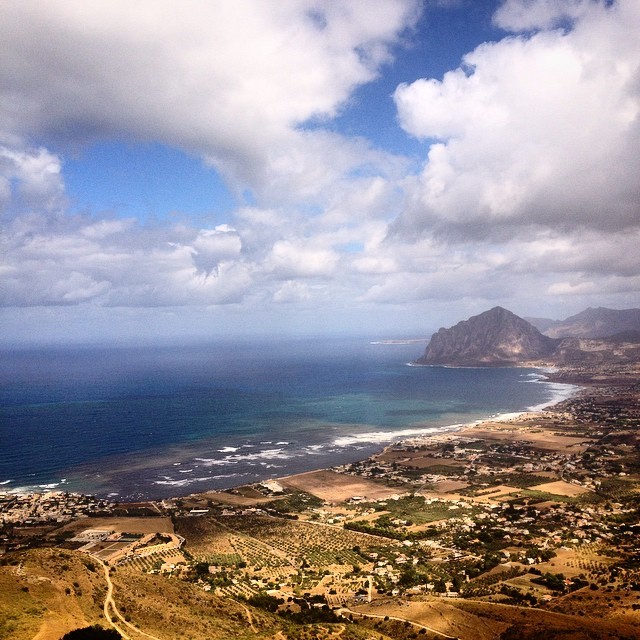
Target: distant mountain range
x: 590, y: 323
x: 498, y: 337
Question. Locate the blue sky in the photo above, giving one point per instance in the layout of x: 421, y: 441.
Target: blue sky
x: 147, y: 181
x: 193, y: 170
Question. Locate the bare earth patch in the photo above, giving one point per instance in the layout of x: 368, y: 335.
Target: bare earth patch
x: 561, y: 488
x: 445, y: 486
x: 338, y: 487
x: 494, y: 493
x: 237, y: 497
x: 417, y: 459
x: 534, y: 435
x: 122, y: 525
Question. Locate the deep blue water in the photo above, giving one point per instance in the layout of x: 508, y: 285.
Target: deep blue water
x: 161, y: 421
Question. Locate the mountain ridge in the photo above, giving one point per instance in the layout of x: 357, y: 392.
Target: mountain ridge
x: 498, y: 337
x: 593, y: 322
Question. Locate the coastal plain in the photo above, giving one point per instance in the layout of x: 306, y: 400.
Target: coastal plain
x: 521, y: 528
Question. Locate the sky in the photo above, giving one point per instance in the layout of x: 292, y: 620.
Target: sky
x: 198, y: 169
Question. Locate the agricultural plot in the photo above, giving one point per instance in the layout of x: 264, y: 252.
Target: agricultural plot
x: 589, y: 559
x: 322, y: 557
x: 561, y: 488
x: 206, y: 536
x: 257, y: 554
x: 224, y: 559
x: 416, y: 510
x: 542, y: 496
x: 489, y: 582
x: 144, y: 564
x: 485, y: 484
x: 420, y: 460
x: 295, y: 539
x: 129, y: 524
x: 449, y: 486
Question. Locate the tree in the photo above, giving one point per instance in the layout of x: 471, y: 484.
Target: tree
x: 408, y: 577
x: 439, y: 586
x: 265, y: 601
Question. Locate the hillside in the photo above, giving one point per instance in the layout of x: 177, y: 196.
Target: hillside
x: 494, y: 338
x: 590, y: 323
x: 45, y: 593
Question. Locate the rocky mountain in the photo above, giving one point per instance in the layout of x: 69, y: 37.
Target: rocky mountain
x: 591, y: 323
x: 494, y: 338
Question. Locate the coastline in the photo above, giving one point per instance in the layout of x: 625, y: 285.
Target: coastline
x: 509, y: 500
x: 426, y: 435
x: 528, y: 512
x: 375, y: 442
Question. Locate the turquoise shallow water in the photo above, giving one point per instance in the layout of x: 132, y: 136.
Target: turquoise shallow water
x: 158, y: 421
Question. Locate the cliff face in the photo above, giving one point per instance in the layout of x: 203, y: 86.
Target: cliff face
x: 494, y: 338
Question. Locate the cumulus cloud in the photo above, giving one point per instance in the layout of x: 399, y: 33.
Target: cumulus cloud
x: 231, y: 80
x: 535, y: 130
x: 30, y: 180
x: 245, y: 85
x: 292, y: 291
x: 528, y: 182
x: 50, y: 257
x: 288, y: 260
x: 213, y: 246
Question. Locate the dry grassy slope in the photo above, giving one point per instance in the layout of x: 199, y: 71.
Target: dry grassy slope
x: 473, y: 620
x: 440, y: 615
x: 34, y: 602
x: 614, y: 605
x: 35, y: 605
x: 172, y: 609
x: 536, y: 624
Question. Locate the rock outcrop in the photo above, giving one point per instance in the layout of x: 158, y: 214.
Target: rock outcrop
x: 494, y: 338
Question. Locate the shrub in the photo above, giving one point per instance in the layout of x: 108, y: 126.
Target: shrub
x: 96, y: 632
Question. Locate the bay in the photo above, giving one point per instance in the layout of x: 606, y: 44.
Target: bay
x: 159, y: 421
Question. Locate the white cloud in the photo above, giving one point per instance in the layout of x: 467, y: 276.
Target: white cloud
x: 525, y: 15
x: 292, y: 291
x: 232, y: 80
x: 30, y: 180
x: 536, y: 130
x: 213, y: 246
x: 297, y: 260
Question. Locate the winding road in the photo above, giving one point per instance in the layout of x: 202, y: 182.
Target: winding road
x: 110, y: 604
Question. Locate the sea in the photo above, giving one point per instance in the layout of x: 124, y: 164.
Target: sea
x: 150, y: 422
